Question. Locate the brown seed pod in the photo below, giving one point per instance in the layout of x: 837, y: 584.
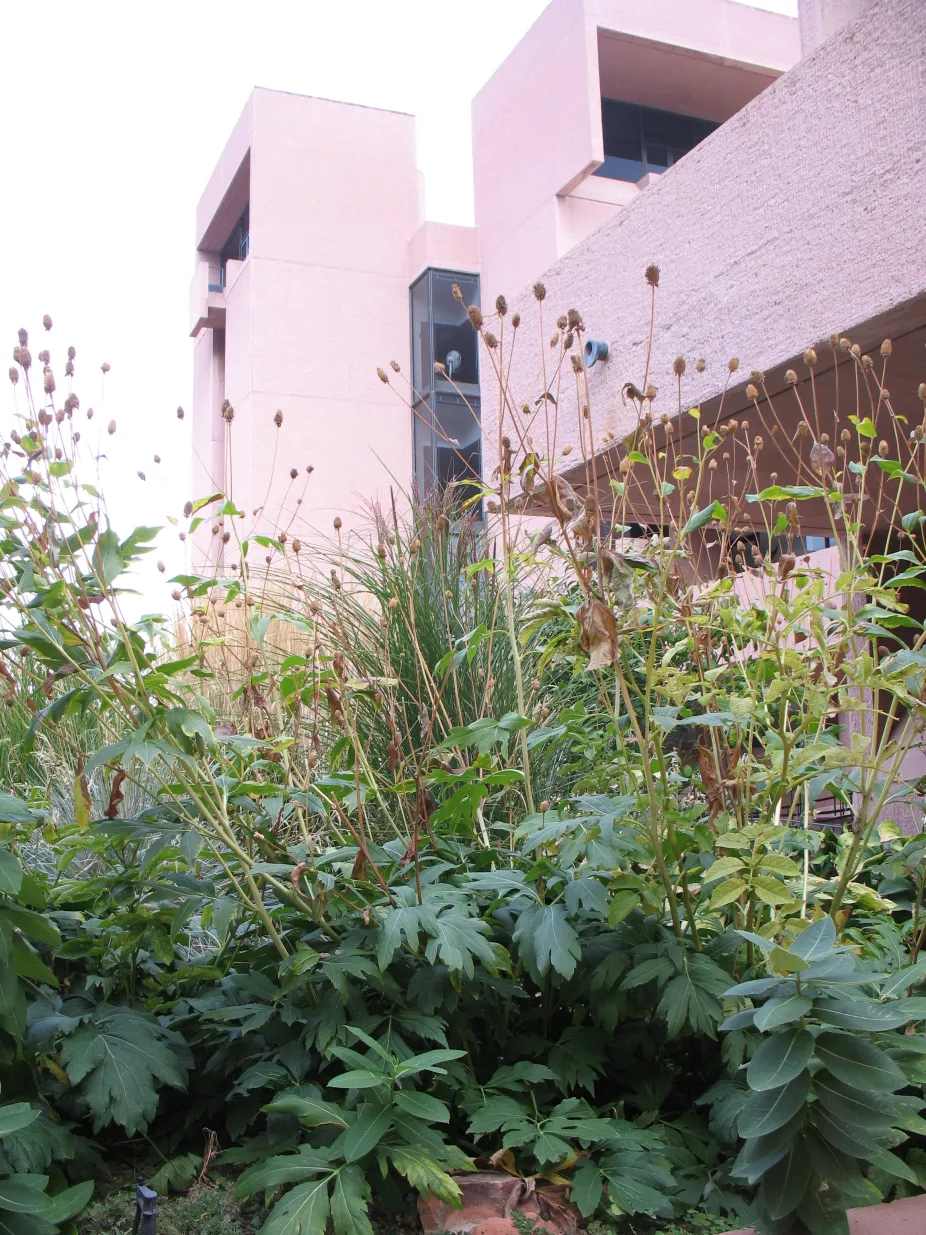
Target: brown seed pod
x: 278, y: 418
x: 161, y: 567
x: 394, y: 365
x: 14, y: 375
x: 792, y: 379
x: 886, y: 348
x: 337, y: 523
x: 516, y: 320
x: 474, y: 313
x: 540, y: 291
x: 111, y: 428
x: 382, y: 375
x: 678, y: 366
x: 701, y: 364
x: 105, y: 366
x: 501, y: 306
x: 652, y: 275
x: 47, y: 322
x: 180, y: 413
x: 293, y: 473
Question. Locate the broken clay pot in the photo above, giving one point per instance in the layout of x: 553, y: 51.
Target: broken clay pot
x: 489, y: 1200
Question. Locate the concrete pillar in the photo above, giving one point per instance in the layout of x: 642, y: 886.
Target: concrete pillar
x: 818, y: 19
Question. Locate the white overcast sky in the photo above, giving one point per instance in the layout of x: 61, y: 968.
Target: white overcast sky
x: 112, y: 116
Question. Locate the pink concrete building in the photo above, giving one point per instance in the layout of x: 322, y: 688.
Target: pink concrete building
x: 757, y: 158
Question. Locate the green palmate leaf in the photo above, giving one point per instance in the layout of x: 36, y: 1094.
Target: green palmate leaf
x: 545, y: 935
x: 176, y: 1174
x: 457, y: 938
x: 587, y: 1187
x: 13, y: 810
x: 859, y: 1063
x: 427, y: 1061
x: 303, y: 1211
x: 781, y: 1010
x: 622, y: 906
x: 499, y: 1113
x: 727, y: 892
x: 692, y: 997
x: 117, y: 1058
x: 424, y: 1174
x: 350, y: 1197
x: 770, y: 1109
x: 779, y: 1059
x: 786, y: 1182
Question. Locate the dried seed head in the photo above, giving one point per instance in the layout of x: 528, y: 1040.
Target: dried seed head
x: 759, y: 442
x: 845, y: 436
x: 833, y: 340
x: 844, y: 343
x: 89, y: 413
x: 157, y: 458
x: 752, y: 392
x: 278, y: 418
x: 554, y: 338
x: 293, y: 473
x: 394, y: 365
x: 562, y: 321
x: 457, y: 294
x: 140, y: 475
x: 922, y: 391
x: 228, y: 412
x: 69, y: 368
x: 187, y: 509
x: 501, y: 306
x: 175, y: 594
x: 14, y: 375
x: 516, y: 320
x: 72, y: 353
x: 886, y: 348
x: 48, y: 379
x: 24, y: 358
x: 867, y: 362
x: 540, y: 292
x: 678, y: 366
x: 47, y: 322
x: 105, y: 366
x: 297, y: 545
x: 568, y: 340
x: 335, y: 580
x: 802, y: 430
x: 712, y: 465
x: 182, y: 535
x: 825, y: 438
x: 567, y: 450
x: 652, y: 275
x: 180, y: 413
x: 577, y: 363
x: 883, y: 449
x: 44, y: 356
x: 309, y: 469
x: 574, y: 320
x: 651, y: 392
x: 791, y: 379
x: 382, y: 375
x: 701, y: 365
x: 733, y: 364
x: 111, y: 428
x: 161, y: 567
x: 337, y: 523
x: 856, y: 350
x: 226, y: 537
x: 490, y: 339
x: 23, y: 335
x: 810, y: 357
x: 474, y: 313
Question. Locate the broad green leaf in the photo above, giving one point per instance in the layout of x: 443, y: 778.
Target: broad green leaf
x: 359, y: 1078
x: 428, y: 1061
x: 779, y: 1059
x: 787, y: 962
x: 816, y: 941
x: 23, y: 1194
x: 727, y: 892
x: 556, y: 943
x: 12, y: 810
x: 273, y: 1173
x: 176, y: 1174
x: 781, y: 1011
x: 365, y: 1133
x: 769, y: 1109
x: 11, y: 873
x: 16, y: 1115
x: 864, y: 1015
x: 313, y: 1112
x: 785, y: 1184
x: 66, y: 1204
x: 859, y: 1063
x: 849, y: 1138
x: 422, y: 1105
x: 853, y: 1106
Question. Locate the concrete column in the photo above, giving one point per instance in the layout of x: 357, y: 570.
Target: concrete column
x: 819, y: 19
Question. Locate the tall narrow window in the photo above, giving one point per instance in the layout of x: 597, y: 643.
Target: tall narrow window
x: 446, y: 428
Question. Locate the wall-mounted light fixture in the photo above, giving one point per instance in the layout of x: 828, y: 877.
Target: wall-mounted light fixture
x: 595, y: 350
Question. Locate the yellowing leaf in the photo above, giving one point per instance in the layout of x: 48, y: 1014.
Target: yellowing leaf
x: 82, y: 803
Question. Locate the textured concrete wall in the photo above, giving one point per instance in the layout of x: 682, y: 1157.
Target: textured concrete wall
x: 801, y: 215
x: 821, y: 19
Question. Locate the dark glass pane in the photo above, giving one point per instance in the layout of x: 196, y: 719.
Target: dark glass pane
x: 620, y: 126
x: 421, y: 342
x: 658, y: 157
x: 423, y: 439
x: 667, y: 129
x: 455, y: 340
x: 620, y: 169
x: 457, y: 442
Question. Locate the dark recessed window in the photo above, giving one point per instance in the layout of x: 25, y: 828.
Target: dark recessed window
x: 237, y: 246
x: 638, y: 140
